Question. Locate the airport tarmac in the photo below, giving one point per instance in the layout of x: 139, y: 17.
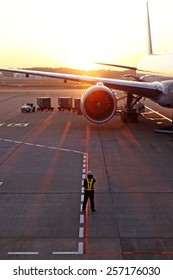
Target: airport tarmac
x: 44, y: 157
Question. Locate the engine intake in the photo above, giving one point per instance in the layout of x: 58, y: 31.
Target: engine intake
x: 98, y: 103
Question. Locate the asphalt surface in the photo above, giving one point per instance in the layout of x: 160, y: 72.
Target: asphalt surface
x: 44, y: 157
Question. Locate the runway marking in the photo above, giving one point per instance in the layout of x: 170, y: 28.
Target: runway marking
x: 40, y: 146
x: 79, y: 252
x: 81, y: 219
x: 85, y: 232
x: 17, y: 124
x: 153, y: 111
x: 82, y: 230
x: 23, y: 253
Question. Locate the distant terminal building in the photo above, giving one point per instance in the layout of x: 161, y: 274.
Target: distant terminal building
x: 23, y: 76
x: 19, y: 76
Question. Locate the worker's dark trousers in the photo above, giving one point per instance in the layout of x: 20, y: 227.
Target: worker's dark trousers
x: 88, y: 194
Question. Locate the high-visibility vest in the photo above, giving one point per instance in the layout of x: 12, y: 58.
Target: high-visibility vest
x: 90, y: 185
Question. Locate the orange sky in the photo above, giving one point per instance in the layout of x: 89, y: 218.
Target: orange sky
x: 73, y: 33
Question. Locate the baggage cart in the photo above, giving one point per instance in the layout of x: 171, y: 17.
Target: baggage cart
x: 77, y: 106
x: 44, y: 103
x: 65, y: 103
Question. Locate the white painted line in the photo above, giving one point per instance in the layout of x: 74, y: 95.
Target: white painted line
x: 11, y: 124
x: 81, y: 219
x: 1, y: 183
x: 6, y: 140
x: 80, y: 248
x: 17, y: 142
x: 65, y: 253
x: 80, y: 251
x: 158, y: 114
x: 81, y: 232
x: 83, y: 176
x: 17, y: 124
x: 30, y: 144
x: 41, y: 146
x: 66, y: 150
x: 77, y: 152
x: 22, y: 253
x: 82, y: 198
x: 83, y: 171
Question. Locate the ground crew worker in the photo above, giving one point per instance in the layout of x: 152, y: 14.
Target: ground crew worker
x: 89, y: 191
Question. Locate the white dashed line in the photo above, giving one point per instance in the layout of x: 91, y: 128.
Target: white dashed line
x: 40, y: 146
x: 80, y: 248
x: 81, y: 227
x: 64, y: 253
x: 81, y: 219
x: 22, y: 253
x: 81, y: 232
x: 17, y: 124
x: 17, y: 142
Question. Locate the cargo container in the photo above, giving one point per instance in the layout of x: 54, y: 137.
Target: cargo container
x: 65, y: 103
x: 77, y: 107
x: 44, y: 103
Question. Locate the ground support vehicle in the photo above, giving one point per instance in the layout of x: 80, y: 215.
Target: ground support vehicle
x: 28, y: 107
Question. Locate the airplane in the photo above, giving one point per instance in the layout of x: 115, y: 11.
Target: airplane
x: 153, y: 80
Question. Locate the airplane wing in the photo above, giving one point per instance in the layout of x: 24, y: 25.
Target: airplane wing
x: 150, y: 90
x: 118, y: 66
x: 124, y: 67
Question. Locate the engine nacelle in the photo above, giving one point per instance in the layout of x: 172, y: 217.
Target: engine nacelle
x: 98, y: 103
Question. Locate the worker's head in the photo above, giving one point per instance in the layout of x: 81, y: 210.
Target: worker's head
x: 89, y: 174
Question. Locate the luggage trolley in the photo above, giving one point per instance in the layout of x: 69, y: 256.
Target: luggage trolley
x: 65, y: 103
x: 77, y: 106
x: 44, y: 103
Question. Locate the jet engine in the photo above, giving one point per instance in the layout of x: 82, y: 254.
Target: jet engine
x: 98, y: 103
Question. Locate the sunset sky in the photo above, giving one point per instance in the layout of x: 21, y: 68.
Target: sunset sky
x: 73, y: 33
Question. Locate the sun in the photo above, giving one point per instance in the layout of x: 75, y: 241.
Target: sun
x: 81, y: 59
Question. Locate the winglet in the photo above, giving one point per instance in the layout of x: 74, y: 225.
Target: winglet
x: 150, y: 49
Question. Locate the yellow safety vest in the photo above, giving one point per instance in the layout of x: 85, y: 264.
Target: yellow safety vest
x: 90, y: 185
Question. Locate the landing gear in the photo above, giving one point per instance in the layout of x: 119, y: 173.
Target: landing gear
x: 129, y: 116
x: 131, y: 110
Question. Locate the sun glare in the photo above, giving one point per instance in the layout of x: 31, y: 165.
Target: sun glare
x: 80, y: 61
x: 72, y: 34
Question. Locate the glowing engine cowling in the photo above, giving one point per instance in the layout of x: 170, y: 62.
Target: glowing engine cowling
x: 98, y: 103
